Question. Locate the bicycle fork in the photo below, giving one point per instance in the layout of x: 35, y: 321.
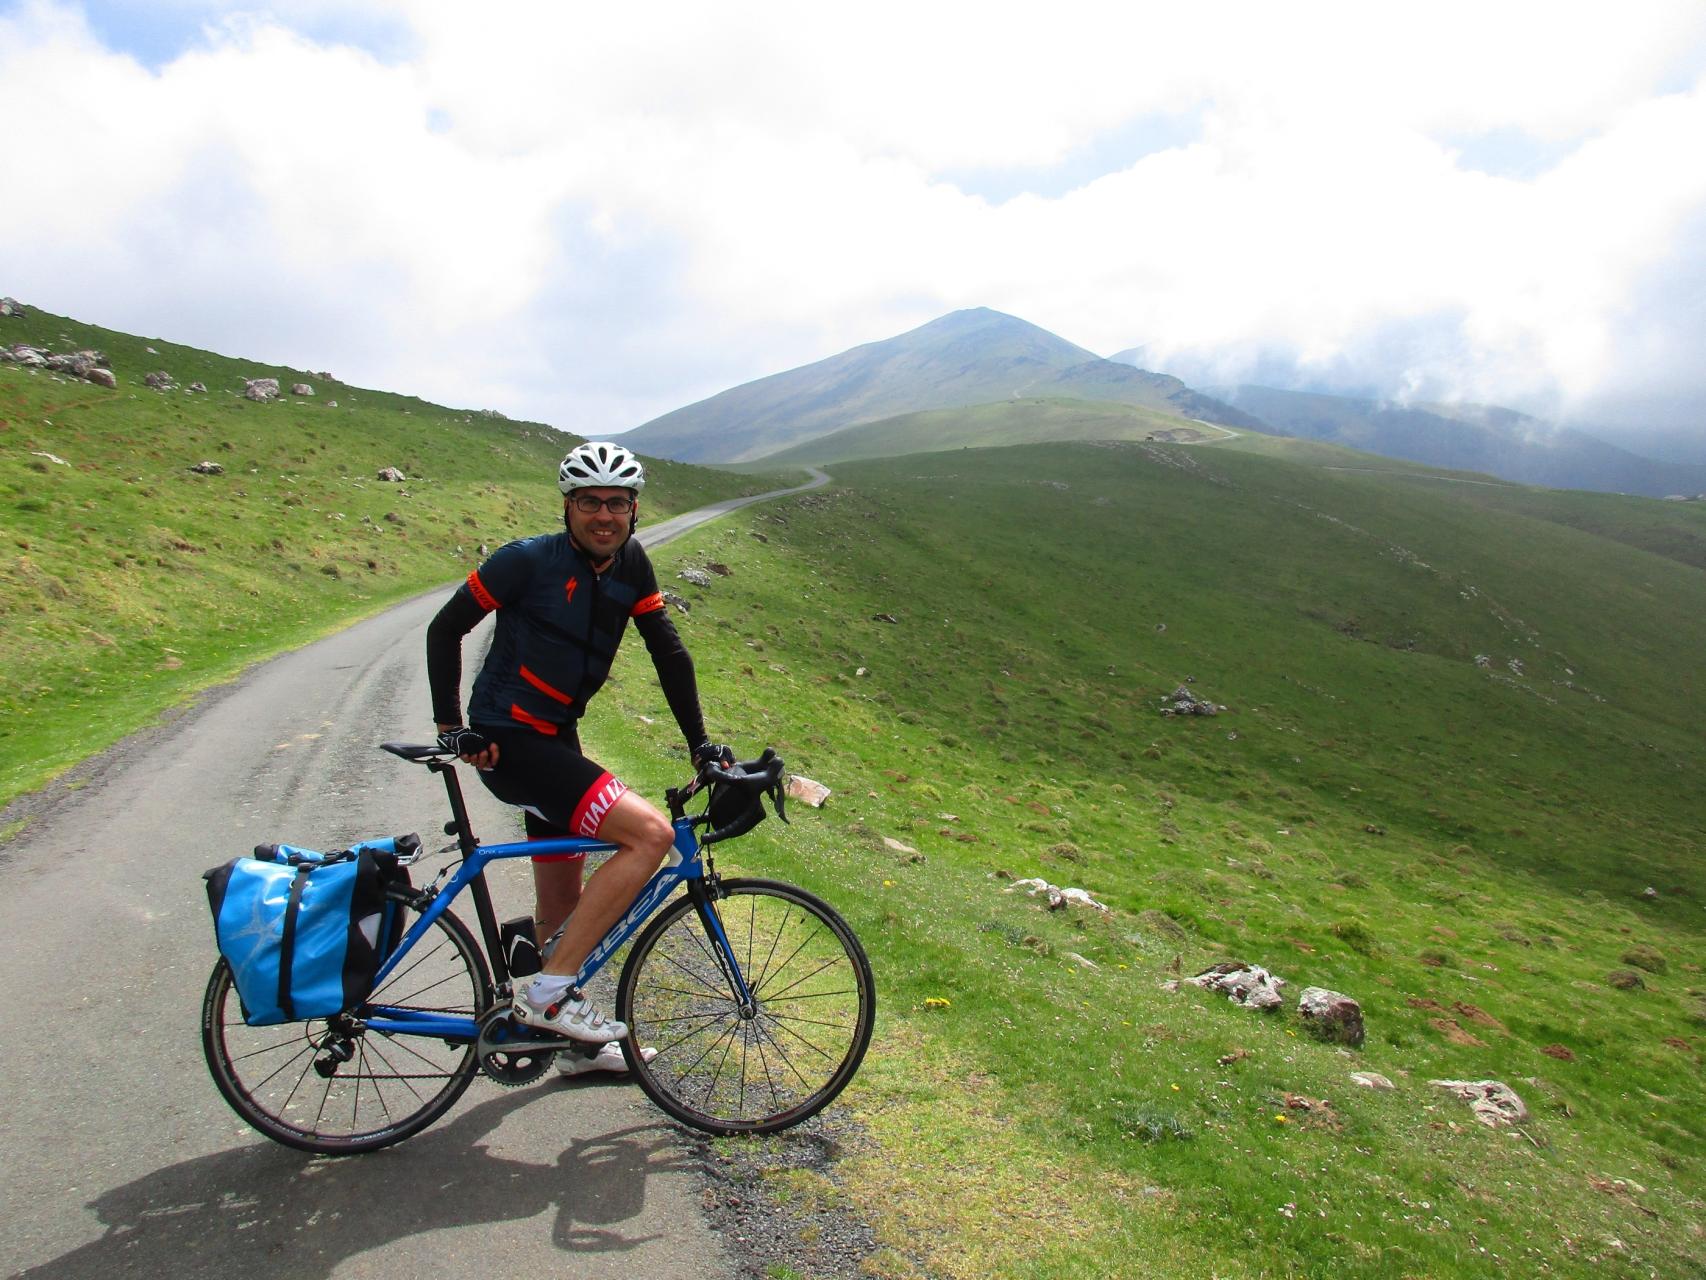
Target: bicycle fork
x: 721, y: 949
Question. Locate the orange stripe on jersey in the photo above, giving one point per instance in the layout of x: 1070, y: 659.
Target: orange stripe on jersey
x: 651, y: 604
x: 482, y: 597
x: 544, y: 688
x: 533, y: 722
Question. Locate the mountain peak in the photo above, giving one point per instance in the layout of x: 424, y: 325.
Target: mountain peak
x: 973, y: 356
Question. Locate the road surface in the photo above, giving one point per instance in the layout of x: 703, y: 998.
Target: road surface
x: 119, y: 1156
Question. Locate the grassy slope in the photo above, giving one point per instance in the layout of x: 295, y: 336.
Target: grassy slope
x: 1459, y: 848
x: 128, y: 581
x: 985, y: 425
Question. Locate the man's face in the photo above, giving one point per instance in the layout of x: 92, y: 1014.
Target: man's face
x: 600, y: 532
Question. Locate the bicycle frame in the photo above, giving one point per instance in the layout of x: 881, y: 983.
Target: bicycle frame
x: 683, y: 866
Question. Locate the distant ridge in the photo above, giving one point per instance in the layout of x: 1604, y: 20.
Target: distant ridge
x: 970, y: 357
x: 1467, y: 437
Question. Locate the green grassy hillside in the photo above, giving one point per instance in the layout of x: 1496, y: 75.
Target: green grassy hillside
x: 1008, y: 422
x: 1459, y: 746
x: 127, y: 581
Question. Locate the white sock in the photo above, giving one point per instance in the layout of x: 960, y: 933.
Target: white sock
x: 547, y: 987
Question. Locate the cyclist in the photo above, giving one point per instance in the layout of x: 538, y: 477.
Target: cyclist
x: 563, y: 601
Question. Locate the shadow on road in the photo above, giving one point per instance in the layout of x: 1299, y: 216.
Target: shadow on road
x: 263, y: 1212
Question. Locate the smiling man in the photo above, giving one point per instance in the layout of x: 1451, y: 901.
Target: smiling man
x: 563, y: 601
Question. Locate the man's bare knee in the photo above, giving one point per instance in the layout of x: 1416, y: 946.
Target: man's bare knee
x: 654, y: 838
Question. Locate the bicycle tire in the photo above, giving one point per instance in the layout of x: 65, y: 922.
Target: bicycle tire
x: 390, y: 1088
x: 792, y: 1054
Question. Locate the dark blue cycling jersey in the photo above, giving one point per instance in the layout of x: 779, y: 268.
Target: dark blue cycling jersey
x: 559, y: 623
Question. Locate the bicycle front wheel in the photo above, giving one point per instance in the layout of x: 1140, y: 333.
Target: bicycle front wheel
x: 333, y: 1087
x: 731, y: 1066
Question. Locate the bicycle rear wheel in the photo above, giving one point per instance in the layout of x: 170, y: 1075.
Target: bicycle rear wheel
x: 333, y: 1087
x: 728, y: 1069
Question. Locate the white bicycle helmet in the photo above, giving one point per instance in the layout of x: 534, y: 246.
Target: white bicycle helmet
x: 598, y: 465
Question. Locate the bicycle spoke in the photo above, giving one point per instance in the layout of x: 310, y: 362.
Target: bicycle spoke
x: 394, y: 1083
x: 727, y: 1073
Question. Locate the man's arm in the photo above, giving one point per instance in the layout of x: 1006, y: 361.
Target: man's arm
x: 675, y: 673
x: 460, y: 615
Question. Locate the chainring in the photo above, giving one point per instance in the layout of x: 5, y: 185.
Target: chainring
x: 509, y: 1053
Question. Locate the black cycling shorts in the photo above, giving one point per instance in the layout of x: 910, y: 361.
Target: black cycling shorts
x: 561, y: 792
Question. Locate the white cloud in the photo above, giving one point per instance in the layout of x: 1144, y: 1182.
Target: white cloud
x: 591, y: 216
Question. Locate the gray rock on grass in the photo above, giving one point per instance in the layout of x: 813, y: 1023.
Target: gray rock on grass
x: 1492, y: 1102
x: 1249, y: 985
x: 1332, y: 1017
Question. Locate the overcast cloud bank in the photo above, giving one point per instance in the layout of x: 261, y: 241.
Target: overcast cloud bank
x: 591, y: 217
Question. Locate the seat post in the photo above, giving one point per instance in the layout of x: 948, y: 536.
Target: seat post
x: 458, y: 808
x: 477, y: 887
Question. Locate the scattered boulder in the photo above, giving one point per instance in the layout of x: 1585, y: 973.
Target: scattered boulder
x: 677, y: 601
x: 208, y: 469
x: 805, y: 789
x: 1057, y: 897
x: 12, y: 307
x: 1330, y: 1016
x: 160, y: 380
x: 51, y: 457
x: 91, y: 365
x: 200, y: 388
x: 1245, y: 984
x: 889, y: 842
x: 1649, y: 894
x: 390, y: 475
x: 301, y: 389
x: 1182, y: 702
x: 1492, y: 1102
x: 1371, y: 1080
x: 696, y: 577
x: 260, y: 390
x: 1625, y: 979
x: 331, y: 404
x: 885, y: 617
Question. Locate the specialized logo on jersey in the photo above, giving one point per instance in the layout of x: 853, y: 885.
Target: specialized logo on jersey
x: 596, y: 804
x: 569, y: 590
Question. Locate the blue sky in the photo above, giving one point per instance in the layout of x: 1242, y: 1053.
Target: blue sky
x: 590, y: 217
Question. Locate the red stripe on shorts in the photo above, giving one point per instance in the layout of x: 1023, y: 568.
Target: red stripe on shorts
x: 600, y: 797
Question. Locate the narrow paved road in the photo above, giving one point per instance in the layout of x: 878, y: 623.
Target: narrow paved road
x: 121, y: 1159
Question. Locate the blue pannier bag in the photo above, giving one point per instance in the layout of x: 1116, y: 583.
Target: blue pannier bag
x: 305, y: 932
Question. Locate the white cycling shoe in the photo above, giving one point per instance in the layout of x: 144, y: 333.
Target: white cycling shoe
x: 608, y: 1059
x: 570, y: 1014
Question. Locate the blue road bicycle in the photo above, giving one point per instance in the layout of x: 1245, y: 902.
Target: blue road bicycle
x: 749, y: 1003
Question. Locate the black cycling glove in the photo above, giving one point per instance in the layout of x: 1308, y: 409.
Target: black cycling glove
x: 463, y: 741
x: 708, y: 751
